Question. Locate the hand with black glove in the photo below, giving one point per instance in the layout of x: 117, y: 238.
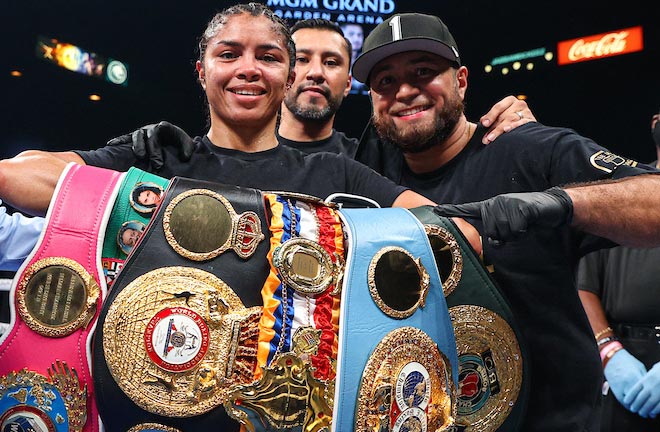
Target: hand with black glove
x: 644, y: 396
x: 622, y: 371
x: 508, y: 216
x: 148, y: 142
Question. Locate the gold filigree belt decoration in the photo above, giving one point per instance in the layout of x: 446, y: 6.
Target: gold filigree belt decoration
x: 30, y: 400
x: 177, y: 339
x: 489, y: 365
x: 406, y: 385
x: 56, y: 296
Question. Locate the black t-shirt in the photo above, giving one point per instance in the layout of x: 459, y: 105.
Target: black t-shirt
x: 626, y: 280
x: 536, y: 272
x: 279, y: 169
x: 338, y: 142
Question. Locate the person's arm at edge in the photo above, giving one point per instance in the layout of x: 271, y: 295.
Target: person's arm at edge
x: 626, y: 211
x: 28, y: 180
x: 595, y: 313
x: 18, y: 235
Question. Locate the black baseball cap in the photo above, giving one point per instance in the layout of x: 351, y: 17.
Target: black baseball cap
x: 405, y: 32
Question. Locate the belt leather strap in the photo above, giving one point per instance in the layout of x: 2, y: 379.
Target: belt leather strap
x: 164, y: 249
x: 55, y: 301
x: 129, y: 211
x: 636, y: 331
x: 476, y: 296
x: 373, y: 335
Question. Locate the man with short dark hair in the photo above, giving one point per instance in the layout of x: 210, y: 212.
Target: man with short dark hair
x: 323, y: 80
x: 424, y: 141
x: 323, y: 61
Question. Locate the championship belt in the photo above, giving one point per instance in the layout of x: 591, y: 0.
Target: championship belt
x: 397, y: 361
x: 55, y: 299
x: 180, y: 326
x: 140, y: 193
x: 492, y: 389
x: 298, y: 330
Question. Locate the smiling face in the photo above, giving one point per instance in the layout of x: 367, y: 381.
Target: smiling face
x: 245, y: 72
x: 322, y: 74
x: 417, y: 99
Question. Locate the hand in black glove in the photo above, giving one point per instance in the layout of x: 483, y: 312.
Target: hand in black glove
x: 148, y: 142
x: 507, y: 216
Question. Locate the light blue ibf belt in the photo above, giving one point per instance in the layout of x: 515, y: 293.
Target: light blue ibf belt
x: 397, y: 361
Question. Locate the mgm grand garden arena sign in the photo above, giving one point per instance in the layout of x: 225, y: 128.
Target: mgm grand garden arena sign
x: 352, y: 11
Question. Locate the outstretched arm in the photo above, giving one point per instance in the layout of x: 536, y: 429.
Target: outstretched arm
x: 625, y: 211
x: 28, y: 180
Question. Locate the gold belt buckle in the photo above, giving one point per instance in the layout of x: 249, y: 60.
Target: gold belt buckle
x: 286, y: 396
x: 43, y: 402
x: 489, y: 367
x: 177, y: 339
x: 406, y: 385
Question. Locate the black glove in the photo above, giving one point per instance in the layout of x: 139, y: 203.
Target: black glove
x: 148, y: 142
x: 507, y: 216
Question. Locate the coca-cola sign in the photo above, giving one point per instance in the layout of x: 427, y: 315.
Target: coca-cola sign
x: 608, y: 44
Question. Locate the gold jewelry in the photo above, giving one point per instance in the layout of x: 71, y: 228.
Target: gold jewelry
x: 603, y: 332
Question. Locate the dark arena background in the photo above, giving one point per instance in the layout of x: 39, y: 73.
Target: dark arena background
x: 138, y: 57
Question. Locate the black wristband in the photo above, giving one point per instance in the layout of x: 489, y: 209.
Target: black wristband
x: 605, y: 340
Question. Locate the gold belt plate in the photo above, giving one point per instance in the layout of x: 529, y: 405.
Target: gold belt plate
x: 406, y: 385
x: 56, y: 296
x: 489, y: 367
x: 177, y: 339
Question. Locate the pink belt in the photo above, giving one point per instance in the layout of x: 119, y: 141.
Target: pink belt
x: 55, y: 300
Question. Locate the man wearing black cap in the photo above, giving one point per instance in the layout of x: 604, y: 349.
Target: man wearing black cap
x: 412, y: 65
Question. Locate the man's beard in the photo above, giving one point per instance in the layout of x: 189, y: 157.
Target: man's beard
x: 419, y: 138
x: 312, y: 112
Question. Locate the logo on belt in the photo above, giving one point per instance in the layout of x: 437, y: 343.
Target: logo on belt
x: 398, y: 282
x: 307, y: 267
x: 448, y: 257
x: 489, y: 368
x: 201, y: 224
x: 176, y: 339
x: 406, y: 385
x: 56, y: 296
x: 31, y: 402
